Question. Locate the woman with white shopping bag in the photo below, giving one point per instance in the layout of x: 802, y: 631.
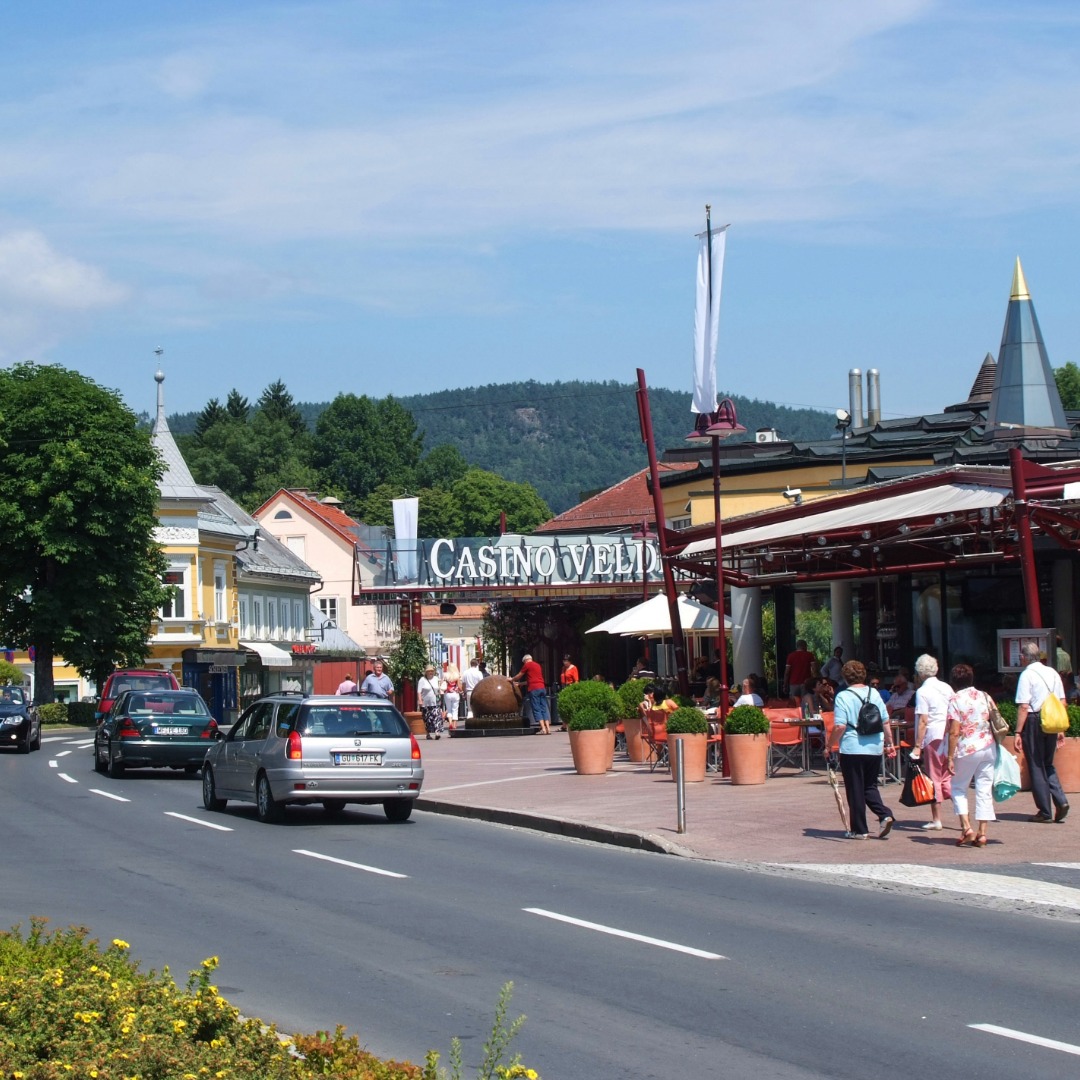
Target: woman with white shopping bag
x: 971, y: 754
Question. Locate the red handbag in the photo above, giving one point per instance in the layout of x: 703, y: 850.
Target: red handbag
x: 918, y: 787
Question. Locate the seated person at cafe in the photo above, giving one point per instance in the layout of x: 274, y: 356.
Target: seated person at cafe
x: 902, y: 695
x: 649, y: 702
x: 749, y: 695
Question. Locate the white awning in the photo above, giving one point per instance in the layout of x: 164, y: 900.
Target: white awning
x: 909, y: 506
x: 270, y: 655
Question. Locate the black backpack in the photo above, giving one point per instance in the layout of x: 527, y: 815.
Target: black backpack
x: 869, y: 721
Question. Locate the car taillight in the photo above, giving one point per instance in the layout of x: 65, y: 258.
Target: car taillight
x: 211, y: 731
x: 293, y: 750
x: 415, y: 747
x: 128, y: 730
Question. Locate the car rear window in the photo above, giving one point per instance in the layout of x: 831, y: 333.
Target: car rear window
x: 139, y: 682
x: 347, y: 720
x: 167, y: 705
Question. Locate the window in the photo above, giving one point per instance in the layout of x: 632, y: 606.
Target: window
x: 286, y: 620
x: 256, y: 618
x: 271, y: 618
x: 299, y: 622
x: 177, y: 578
x: 245, y: 625
x: 283, y: 515
x: 296, y: 545
x: 220, y: 615
x: 328, y: 607
x: 679, y: 523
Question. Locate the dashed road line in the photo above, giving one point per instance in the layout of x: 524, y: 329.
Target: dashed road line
x: 1001, y: 886
x: 659, y: 942
x: 69, y: 779
x: 63, y: 753
x: 351, y: 865
x: 197, y: 821
x: 53, y: 764
x: 109, y: 795
x: 1023, y: 1036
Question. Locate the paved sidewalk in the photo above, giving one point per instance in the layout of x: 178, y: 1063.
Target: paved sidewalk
x: 530, y: 781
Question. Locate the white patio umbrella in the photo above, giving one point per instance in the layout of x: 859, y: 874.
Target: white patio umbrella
x: 653, y: 619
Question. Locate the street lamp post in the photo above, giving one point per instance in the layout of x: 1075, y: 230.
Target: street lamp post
x: 843, y: 422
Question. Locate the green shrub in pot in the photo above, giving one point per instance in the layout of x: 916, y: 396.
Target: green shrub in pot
x: 1074, y: 722
x: 631, y: 695
x: 587, y: 695
x: 1008, y: 714
x: 746, y: 720
x: 588, y: 718
x: 688, y: 721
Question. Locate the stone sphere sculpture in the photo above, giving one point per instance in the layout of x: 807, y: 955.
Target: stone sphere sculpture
x: 495, y: 695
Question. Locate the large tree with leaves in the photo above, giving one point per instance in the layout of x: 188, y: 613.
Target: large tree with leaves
x: 80, y: 571
x: 1068, y: 384
x: 361, y: 443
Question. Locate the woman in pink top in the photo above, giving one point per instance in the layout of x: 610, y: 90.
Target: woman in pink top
x: 971, y: 754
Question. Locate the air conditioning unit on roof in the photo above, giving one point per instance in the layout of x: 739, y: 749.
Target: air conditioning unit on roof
x: 765, y: 435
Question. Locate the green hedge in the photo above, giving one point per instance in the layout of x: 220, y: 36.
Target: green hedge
x: 746, y: 720
x: 687, y: 721
x: 587, y: 695
x: 54, y: 712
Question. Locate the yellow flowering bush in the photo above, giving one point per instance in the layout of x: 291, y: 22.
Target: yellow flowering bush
x: 69, y: 1009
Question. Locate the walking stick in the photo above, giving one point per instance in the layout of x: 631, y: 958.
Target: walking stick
x: 841, y: 801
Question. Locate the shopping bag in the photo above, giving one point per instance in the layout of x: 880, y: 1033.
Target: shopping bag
x: 1053, y: 716
x: 918, y: 787
x: 1006, y: 776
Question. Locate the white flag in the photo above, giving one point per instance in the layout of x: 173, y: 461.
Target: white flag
x: 406, y: 513
x: 707, y: 321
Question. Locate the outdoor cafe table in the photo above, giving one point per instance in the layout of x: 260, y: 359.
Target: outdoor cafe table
x: 806, y: 723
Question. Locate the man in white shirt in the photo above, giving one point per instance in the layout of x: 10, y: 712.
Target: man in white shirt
x: 473, y: 675
x: 1036, y: 683
x: 833, y: 668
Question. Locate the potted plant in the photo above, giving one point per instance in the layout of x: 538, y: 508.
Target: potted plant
x: 1067, y: 755
x: 587, y: 708
x: 689, y: 727
x: 746, y: 744
x: 631, y: 694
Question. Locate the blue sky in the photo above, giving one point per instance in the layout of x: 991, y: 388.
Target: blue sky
x: 405, y: 197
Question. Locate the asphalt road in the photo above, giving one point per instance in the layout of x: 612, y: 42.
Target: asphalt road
x: 746, y: 975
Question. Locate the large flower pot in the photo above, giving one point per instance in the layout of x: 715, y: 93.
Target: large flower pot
x: 695, y: 750
x: 416, y: 723
x: 593, y: 751
x: 1067, y: 764
x: 749, y: 756
x: 635, y: 747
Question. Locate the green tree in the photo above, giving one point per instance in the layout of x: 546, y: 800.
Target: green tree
x: 237, y: 406
x: 276, y: 403
x: 1068, y: 384
x: 360, y: 443
x: 484, y: 496
x: 440, y: 514
x: 441, y: 467
x: 80, y: 572
x: 211, y: 415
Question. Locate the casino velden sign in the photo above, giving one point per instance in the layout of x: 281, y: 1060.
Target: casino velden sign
x: 556, y: 561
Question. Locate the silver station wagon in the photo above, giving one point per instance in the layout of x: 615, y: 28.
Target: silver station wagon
x: 333, y: 750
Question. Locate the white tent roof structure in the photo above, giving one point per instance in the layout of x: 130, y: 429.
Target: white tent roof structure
x: 653, y: 619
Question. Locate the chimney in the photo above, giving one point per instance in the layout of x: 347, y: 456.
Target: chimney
x: 873, y: 397
x: 854, y: 382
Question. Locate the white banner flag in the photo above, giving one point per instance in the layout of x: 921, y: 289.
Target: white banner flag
x: 406, y: 513
x: 707, y: 321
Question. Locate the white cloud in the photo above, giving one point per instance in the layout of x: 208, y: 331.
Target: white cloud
x: 33, y: 274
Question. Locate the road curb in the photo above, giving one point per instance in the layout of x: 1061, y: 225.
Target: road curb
x: 577, y: 830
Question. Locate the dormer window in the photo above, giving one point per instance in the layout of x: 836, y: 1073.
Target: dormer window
x: 283, y: 515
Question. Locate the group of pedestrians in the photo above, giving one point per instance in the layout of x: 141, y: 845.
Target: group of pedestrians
x: 953, y: 739
x: 446, y: 701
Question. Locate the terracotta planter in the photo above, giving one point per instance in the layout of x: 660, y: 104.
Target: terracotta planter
x: 635, y: 748
x: 695, y: 751
x: 593, y: 751
x: 1067, y: 764
x: 416, y: 723
x: 748, y: 755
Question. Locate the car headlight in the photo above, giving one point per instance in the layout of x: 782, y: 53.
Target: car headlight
x: 11, y: 721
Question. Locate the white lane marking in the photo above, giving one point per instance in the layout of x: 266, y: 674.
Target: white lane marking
x: 345, y: 862
x: 198, y: 821
x: 54, y: 738
x: 502, y: 780
x: 1023, y: 1036
x: 1060, y: 865
x: 1002, y: 886
x: 109, y: 795
x: 69, y: 779
x: 84, y: 743
x: 52, y: 763
x: 624, y: 934
x: 63, y: 753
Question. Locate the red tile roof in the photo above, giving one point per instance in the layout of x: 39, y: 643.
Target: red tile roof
x: 331, y: 515
x: 624, y: 505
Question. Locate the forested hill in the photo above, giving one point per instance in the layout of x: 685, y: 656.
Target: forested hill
x: 565, y: 438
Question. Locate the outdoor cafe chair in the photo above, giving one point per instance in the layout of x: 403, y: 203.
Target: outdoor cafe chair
x: 654, y: 736
x: 785, y: 746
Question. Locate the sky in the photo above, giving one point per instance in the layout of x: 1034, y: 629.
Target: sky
x: 399, y: 198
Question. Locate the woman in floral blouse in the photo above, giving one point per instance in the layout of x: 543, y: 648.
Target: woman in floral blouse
x: 972, y: 751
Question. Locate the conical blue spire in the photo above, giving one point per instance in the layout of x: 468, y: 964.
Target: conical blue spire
x: 1025, y: 397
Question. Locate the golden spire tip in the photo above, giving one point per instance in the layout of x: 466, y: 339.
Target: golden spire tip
x: 1019, y: 285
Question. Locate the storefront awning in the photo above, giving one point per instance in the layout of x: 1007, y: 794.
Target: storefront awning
x: 270, y: 655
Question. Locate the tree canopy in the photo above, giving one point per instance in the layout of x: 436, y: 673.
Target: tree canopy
x: 80, y: 571
x: 1068, y: 384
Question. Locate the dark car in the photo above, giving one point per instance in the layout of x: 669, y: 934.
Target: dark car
x: 131, y: 679
x: 155, y: 729
x: 287, y: 749
x: 19, y: 723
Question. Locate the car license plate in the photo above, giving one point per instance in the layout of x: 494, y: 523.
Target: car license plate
x: 358, y: 757
x: 158, y: 730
